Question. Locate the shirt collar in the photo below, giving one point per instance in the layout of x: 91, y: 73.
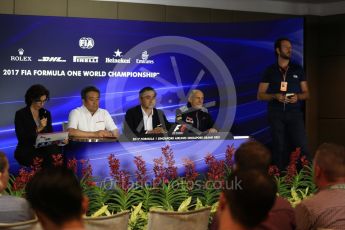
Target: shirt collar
x: 87, y: 111
x: 144, y: 113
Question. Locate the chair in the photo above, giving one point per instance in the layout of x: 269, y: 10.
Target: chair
x: 22, y: 225
x: 118, y: 221
x: 196, y: 220
x: 64, y: 126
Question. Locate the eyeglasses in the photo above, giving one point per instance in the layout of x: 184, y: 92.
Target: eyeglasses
x: 40, y: 101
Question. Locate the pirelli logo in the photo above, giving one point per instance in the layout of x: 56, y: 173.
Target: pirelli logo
x: 85, y: 59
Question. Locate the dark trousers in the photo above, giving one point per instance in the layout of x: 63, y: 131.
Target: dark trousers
x: 26, y: 154
x: 288, y: 133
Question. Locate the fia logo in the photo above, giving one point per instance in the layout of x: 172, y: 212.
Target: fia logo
x: 86, y: 43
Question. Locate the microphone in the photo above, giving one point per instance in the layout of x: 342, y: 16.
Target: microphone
x: 42, y: 113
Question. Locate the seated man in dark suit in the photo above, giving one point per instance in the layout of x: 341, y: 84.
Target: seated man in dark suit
x: 145, y: 118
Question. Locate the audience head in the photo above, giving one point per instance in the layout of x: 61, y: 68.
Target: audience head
x: 247, y: 199
x: 4, y: 175
x: 252, y: 155
x: 36, y: 96
x: 90, y: 96
x: 283, y: 48
x: 196, y: 99
x: 329, y: 164
x: 147, y: 96
x: 56, y: 196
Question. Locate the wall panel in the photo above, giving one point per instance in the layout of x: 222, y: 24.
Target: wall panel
x: 187, y: 14
x: 331, y: 87
x: 332, y: 130
x: 6, y: 6
x: 332, y: 35
x: 41, y: 7
x: 92, y: 9
x: 145, y: 12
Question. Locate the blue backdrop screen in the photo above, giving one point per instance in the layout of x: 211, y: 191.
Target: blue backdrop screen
x: 225, y: 60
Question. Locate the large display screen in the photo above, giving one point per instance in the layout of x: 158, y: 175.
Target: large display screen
x: 224, y: 60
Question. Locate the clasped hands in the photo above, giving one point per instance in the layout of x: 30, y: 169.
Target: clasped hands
x: 285, y: 99
x: 157, y: 130
x: 104, y: 133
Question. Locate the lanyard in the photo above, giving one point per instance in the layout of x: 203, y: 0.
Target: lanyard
x: 284, y: 72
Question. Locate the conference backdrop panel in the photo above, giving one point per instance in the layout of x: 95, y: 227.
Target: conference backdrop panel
x: 224, y: 60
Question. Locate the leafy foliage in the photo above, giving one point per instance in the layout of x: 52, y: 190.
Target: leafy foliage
x: 167, y: 191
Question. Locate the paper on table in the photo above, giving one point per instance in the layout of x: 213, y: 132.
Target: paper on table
x: 45, y: 139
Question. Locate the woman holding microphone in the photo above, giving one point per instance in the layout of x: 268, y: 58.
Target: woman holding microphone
x: 29, y: 122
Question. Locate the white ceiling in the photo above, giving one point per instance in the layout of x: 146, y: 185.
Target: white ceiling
x: 294, y: 7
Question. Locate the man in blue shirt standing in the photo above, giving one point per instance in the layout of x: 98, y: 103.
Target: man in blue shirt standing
x: 284, y: 86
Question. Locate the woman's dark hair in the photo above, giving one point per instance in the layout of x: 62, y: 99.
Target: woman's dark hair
x: 34, y: 93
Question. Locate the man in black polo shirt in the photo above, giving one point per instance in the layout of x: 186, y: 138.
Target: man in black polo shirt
x: 284, y: 86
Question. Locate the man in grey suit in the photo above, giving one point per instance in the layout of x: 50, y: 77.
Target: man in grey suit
x: 12, y: 209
